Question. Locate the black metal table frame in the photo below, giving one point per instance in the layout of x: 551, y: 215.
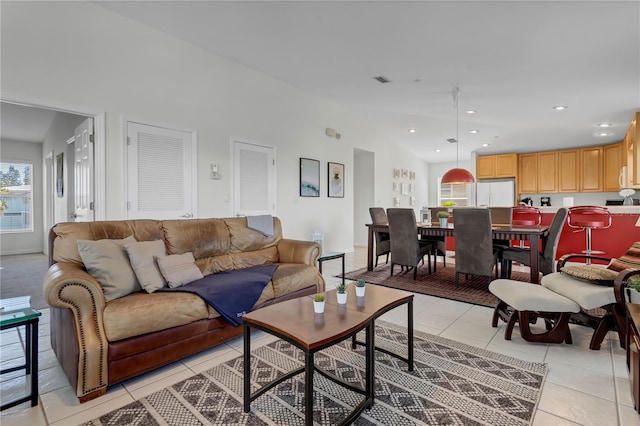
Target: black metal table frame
x: 331, y: 256
x: 309, y: 368
x: 31, y: 361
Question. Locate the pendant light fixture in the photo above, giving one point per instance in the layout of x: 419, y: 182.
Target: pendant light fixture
x: 457, y: 175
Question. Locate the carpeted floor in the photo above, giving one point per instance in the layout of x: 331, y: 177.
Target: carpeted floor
x: 441, y: 283
x: 22, y: 275
x: 452, y: 383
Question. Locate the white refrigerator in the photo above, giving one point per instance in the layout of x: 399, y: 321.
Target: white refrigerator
x: 495, y: 194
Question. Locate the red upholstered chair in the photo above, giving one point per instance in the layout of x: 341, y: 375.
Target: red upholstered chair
x: 587, y: 218
x: 526, y: 215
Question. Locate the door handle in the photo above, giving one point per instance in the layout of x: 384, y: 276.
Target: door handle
x: 187, y: 215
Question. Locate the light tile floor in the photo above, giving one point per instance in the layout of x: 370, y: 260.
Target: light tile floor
x: 583, y: 387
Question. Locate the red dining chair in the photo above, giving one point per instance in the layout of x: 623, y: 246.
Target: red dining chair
x: 526, y: 216
x: 586, y: 218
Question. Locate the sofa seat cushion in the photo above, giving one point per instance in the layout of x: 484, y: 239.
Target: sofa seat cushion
x: 587, y: 295
x: 141, y: 313
x: 290, y: 277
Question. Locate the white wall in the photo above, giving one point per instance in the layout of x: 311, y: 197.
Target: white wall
x: 78, y: 53
x: 25, y: 242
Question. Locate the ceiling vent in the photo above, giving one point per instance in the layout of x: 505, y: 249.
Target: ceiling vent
x: 452, y: 140
x: 382, y: 79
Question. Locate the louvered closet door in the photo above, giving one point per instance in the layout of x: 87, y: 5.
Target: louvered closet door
x: 254, y: 177
x: 160, y: 173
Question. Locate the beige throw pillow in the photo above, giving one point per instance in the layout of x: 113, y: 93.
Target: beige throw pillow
x: 142, y: 256
x: 108, y: 263
x: 591, y: 273
x: 179, y: 269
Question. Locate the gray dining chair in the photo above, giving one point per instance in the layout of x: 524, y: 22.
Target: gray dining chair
x: 546, y: 258
x: 475, y: 253
x: 383, y: 244
x: 406, y: 249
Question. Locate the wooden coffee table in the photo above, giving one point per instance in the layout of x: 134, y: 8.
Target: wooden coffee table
x: 295, y: 322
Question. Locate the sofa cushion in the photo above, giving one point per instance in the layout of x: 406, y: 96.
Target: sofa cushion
x: 290, y: 277
x: 587, y: 295
x: 590, y: 273
x: 202, y: 237
x: 143, y: 255
x: 179, y: 269
x: 630, y: 259
x: 108, y: 263
x: 141, y: 313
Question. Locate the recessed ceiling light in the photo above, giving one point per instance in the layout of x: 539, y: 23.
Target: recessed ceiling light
x: 470, y: 111
x: 412, y: 130
x: 474, y: 131
x: 486, y: 144
x: 560, y: 107
x: 604, y: 125
x: 437, y: 150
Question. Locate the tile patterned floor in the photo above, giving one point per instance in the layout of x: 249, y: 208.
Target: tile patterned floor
x: 583, y: 387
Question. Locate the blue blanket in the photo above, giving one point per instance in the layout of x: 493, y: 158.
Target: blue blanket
x: 231, y: 293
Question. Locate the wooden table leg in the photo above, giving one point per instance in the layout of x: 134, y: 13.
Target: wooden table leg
x: 370, y: 250
x: 534, y: 258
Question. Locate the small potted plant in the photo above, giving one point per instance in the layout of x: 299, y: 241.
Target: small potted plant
x: 443, y: 217
x: 318, y: 303
x: 341, y: 288
x: 360, y: 288
x: 633, y: 289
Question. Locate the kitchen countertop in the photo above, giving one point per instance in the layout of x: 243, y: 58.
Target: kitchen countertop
x: 612, y: 209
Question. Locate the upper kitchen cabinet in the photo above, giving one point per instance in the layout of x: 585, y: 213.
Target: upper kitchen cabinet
x: 569, y: 170
x: 632, y: 142
x: 497, y: 166
x: 612, y: 165
x: 528, y: 173
x: 591, y: 170
x: 548, y: 172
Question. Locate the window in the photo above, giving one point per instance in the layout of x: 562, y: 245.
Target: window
x: 15, y: 197
x: 458, y: 193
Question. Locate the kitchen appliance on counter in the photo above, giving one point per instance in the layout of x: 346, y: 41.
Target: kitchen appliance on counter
x: 545, y: 201
x: 619, y: 202
x: 527, y: 201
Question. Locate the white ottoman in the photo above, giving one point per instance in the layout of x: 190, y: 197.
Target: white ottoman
x: 524, y: 302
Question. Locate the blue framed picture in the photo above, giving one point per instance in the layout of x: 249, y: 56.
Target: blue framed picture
x: 309, y: 177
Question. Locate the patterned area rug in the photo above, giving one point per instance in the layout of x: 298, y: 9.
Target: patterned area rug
x: 474, y: 290
x: 452, y: 383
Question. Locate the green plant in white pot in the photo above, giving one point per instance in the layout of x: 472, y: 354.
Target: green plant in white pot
x: 443, y: 217
x: 341, y: 289
x: 633, y: 289
x: 360, y: 288
x: 318, y: 303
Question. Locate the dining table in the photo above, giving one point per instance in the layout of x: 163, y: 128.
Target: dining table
x: 531, y: 233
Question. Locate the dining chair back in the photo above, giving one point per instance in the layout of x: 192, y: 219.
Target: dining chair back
x: 383, y: 244
x: 526, y: 215
x: 547, y: 257
x: 406, y: 250
x: 475, y: 253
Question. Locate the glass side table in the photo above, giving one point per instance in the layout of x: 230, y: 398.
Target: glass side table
x: 329, y: 255
x: 15, y: 312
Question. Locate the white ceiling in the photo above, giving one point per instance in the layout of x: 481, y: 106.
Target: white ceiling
x: 24, y: 124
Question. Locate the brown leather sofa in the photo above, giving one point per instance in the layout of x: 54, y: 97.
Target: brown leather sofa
x: 101, y: 343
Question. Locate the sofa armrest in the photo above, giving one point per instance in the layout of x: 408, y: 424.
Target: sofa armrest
x: 69, y: 286
x: 565, y: 258
x: 299, y: 251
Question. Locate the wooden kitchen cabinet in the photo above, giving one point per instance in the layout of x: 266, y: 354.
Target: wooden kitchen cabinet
x: 591, y: 171
x: 497, y: 166
x: 548, y: 172
x: 569, y: 170
x: 612, y: 164
x: 528, y: 173
x: 633, y: 147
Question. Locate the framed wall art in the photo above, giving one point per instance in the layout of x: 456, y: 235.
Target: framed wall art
x: 396, y: 173
x: 309, y: 177
x: 335, y: 176
x: 60, y: 174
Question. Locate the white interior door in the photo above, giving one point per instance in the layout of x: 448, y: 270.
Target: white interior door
x: 161, y: 172
x: 83, y: 191
x: 254, y: 179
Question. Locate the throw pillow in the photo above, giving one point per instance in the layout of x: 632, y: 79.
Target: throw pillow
x: 179, y: 269
x: 630, y: 259
x: 107, y: 262
x: 591, y: 273
x: 143, y: 257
